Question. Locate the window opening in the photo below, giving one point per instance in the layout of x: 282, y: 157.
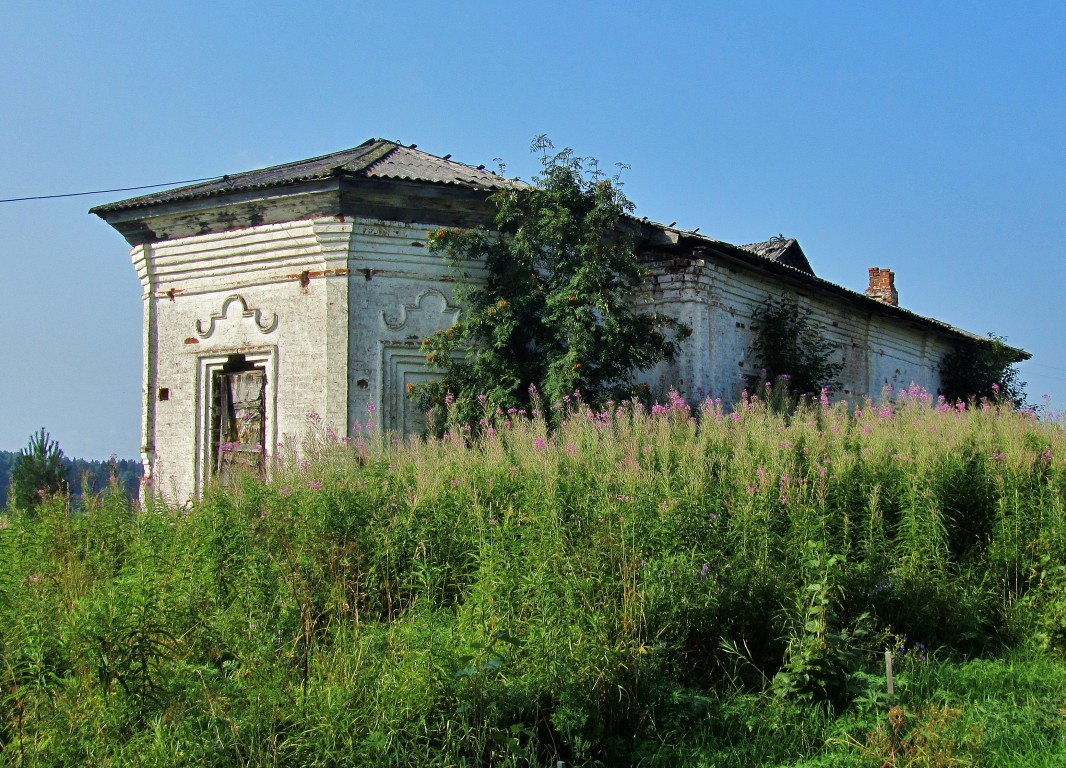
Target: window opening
x: 237, y: 418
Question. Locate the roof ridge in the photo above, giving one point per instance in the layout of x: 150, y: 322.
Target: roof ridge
x: 436, y: 158
x: 309, y: 160
x: 378, y: 150
x: 361, y: 161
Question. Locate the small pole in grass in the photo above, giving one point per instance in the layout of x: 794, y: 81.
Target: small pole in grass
x: 895, y: 716
x: 888, y: 677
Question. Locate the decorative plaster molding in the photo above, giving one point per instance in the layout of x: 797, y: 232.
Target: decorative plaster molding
x: 415, y: 312
x: 255, y: 315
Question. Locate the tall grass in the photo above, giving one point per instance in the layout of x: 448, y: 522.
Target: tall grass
x: 674, y: 586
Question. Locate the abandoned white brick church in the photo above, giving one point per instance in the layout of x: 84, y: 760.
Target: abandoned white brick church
x: 307, y: 287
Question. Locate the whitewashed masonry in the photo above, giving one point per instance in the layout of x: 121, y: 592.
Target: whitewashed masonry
x: 302, y: 292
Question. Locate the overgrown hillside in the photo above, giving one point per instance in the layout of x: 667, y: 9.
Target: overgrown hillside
x: 669, y: 588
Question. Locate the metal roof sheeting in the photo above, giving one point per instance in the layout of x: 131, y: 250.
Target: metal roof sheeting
x: 376, y: 158
x: 390, y: 160
x: 410, y: 164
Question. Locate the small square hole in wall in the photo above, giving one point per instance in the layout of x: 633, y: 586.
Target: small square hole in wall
x: 164, y: 393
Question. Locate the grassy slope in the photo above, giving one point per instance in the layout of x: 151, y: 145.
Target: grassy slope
x: 631, y: 589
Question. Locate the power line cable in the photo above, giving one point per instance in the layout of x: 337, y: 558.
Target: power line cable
x: 106, y: 191
x: 1029, y: 363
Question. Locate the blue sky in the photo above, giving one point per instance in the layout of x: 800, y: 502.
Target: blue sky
x: 922, y: 137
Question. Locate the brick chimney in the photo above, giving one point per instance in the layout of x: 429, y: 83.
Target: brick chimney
x: 883, y: 286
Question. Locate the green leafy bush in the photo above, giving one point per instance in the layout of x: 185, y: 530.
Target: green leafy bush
x: 982, y: 369
x: 791, y: 349
x: 556, y: 309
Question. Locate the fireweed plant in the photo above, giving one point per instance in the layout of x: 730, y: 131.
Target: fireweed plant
x: 677, y: 585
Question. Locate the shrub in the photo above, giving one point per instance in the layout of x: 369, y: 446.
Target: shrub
x: 556, y: 308
x: 791, y: 349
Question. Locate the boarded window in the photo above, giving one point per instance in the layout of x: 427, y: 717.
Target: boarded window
x: 237, y: 429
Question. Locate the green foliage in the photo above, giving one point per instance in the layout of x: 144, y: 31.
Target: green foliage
x: 791, y: 348
x: 821, y: 657
x: 1047, y: 605
x: 39, y: 471
x: 85, y: 476
x: 556, y: 309
x: 982, y: 369
x: 630, y: 589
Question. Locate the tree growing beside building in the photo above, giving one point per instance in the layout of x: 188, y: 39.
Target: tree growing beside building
x: 982, y: 369
x: 790, y: 348
x: 556, y: 308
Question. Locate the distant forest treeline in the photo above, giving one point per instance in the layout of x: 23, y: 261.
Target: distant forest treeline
x: 95, y: 473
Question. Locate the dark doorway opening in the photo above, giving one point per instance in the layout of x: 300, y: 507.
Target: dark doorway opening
x: 238, y: 416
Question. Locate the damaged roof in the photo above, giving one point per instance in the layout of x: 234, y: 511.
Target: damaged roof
x: 391, y: 161
x: 375, y: 158
x: 672, y: 239
x: 783, y: 250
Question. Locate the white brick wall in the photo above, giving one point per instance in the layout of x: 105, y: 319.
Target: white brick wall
x: 718, y: 301
x: 290, y: 280
x: 335, y: 309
